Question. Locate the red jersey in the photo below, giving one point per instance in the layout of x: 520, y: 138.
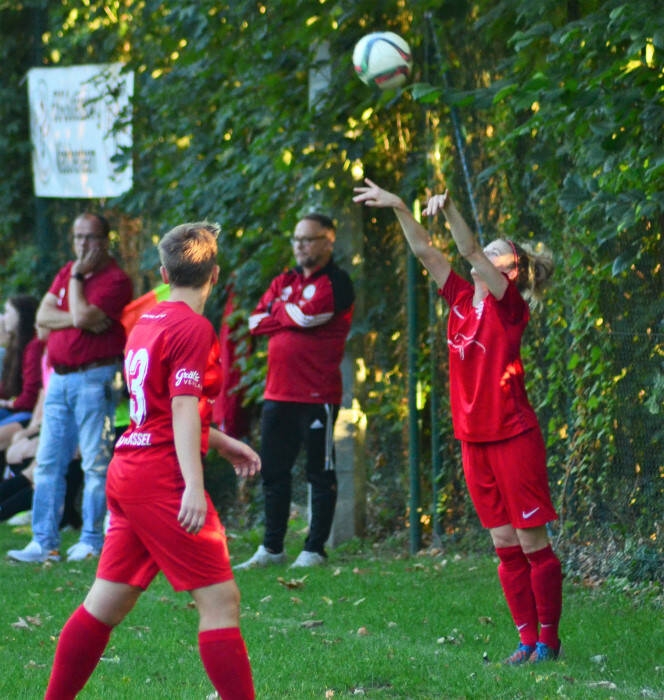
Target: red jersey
x: 31, y: 371
x: 171, y: 351
x: 110, y: 290
x: 307, y: 320
x: 487, y: 390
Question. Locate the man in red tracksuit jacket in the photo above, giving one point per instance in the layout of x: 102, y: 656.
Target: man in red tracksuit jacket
x: 306, y: 313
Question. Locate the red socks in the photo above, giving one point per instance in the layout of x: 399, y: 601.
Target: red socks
x: 514, y: 575
x: 532, y: 585
x: 84, y: 638
x: 547, y: 583
x: 80, y: 646
x: 225, y: 659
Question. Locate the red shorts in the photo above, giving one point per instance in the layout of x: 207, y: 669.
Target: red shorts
x: 508, y: 481
x: 145, y: 538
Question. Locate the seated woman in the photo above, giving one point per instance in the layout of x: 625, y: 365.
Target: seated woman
x: 21, y: 377
x: 16, y: 491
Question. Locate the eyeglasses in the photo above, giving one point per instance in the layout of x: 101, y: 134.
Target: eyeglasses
x: 306, y: 240
x: 80, y: 237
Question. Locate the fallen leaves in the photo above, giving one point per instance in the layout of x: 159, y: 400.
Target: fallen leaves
x: 308, y: 624
x: 27, y: 622
x: 292, y: 583
x: 455, y: 637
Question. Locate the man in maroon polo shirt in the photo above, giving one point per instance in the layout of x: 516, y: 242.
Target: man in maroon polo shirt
x: 82, y: 309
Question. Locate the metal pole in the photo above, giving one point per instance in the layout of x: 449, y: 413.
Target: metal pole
x: 412, y: 272
x: 454, y: 115
x: 434, y: 403
x: 434, y: 398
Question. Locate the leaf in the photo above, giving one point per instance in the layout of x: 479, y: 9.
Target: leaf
x: 292, y: 583
x: 423, y: 92
x: 20, y: 624
x: 308, y: 624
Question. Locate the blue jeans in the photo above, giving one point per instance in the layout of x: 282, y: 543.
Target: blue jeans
x: 78, y: 412
x: 7, y: 416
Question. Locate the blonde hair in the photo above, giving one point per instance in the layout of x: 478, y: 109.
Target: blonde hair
x: 189, y: 253
x: 534, y: 270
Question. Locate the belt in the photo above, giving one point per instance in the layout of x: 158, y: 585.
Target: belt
x: 67, y: 369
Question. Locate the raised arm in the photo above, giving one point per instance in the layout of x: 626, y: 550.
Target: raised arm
x: 416, y: 235
x: 467, y: 244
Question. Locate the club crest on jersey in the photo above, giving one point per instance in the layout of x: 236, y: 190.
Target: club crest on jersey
x: 309, y: 291
x: 188, y: 377
x: 286, y: 292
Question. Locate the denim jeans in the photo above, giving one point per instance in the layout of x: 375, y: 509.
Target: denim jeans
x: 78, y: 412
x: 7, y: 416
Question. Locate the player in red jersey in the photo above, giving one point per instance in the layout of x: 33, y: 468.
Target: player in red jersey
x: 161, y: 517
x: 306, y: 314
x: 502, y: 447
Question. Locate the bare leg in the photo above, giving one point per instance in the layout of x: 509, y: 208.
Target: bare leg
x: 111, y: 602
x: 220, y: 643
x: 85, y: 636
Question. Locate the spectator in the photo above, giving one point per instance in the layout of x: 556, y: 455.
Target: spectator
x: 21, y: 378
x: 16, y: 490
x: 82, y: 309
x: 16, y: 493
x: 306, y: 312
x: 161, y: 516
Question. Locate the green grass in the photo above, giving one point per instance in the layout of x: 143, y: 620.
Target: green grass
x: 372, y: 623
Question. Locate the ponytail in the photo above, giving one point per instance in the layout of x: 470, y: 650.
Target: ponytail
x: 535, y: 267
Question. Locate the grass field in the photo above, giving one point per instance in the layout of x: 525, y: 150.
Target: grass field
x: 373, y: 623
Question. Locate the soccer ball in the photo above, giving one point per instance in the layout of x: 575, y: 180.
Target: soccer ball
x: 382, y: 59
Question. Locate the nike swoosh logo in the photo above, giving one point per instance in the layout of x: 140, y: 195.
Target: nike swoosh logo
x: 529, y: 514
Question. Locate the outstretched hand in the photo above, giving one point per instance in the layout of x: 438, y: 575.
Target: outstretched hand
x: 435, y: 204
x: 374, y: 196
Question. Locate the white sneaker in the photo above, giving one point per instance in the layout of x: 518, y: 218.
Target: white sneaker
x: 33, y: 552
x: 24, y: 518
x: 262, y: 557
x: 308, y: 559
x: 81, y: 551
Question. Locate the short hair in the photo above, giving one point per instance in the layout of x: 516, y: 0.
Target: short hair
x: 324, y: 221
x: 102, y: 221
x: 188, y: 252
